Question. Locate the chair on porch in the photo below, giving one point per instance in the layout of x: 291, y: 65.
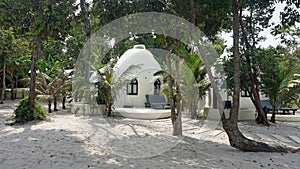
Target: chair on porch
x: 156, y: 101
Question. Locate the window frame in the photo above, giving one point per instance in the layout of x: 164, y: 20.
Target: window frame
x: 132, y: 87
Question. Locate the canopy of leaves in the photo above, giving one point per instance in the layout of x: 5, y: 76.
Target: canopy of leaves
x: 277, y: 76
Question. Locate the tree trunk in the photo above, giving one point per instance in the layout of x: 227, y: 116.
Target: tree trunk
x: 87, y: 53
x: 64, y: 102
x: 170, y: 89
x: 55, y: 103
x: 193, y: 14
x: 36, y: 49
x: 273, y: 111
x: 236, y: 5
x: 177, y: 127
x: 1, y: 101
x: 236, y: 138
x: 49, y: 105
x: 3, y: 80
x: 86, y: 21
x: 16, y: 85
x: 273, y: 120
x: 12, y: 88
x: 109, y: 103
x: 255, y: 95
x: 239, y: 141
x: 109, y: 109
x: 88, y: 48
x: 255, y: 98
x: 23, y: 94
x: 193, y: 109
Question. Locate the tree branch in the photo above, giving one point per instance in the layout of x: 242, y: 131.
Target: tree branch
x: 168, y: 7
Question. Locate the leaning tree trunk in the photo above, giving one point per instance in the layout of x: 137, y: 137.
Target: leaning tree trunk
x: 36, y: 49
x: 239, y: 141
x: 255, y: 95
x: 261, y: 114
x: 236, y: 138
x: 255, y: 98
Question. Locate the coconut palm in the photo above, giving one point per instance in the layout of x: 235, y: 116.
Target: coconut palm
x: 277, y: 80
x: 194, y: 79
x: 105, y: 88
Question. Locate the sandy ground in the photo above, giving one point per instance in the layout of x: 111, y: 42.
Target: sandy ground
x: 77, y: 142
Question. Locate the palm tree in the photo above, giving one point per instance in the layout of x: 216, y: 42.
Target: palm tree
x: 277, y: 80
x: 105, y: 88
x: 50, y: 88
x: 194, y: 79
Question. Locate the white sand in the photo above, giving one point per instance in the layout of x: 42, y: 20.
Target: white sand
x: 69, y: 141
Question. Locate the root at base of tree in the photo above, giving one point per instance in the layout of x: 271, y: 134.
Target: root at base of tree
x: 239, y: 141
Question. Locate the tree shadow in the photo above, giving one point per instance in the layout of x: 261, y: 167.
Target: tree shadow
x: 95, y: 145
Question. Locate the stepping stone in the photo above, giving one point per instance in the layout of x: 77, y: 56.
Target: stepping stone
x: 264, y: 137
x: 281, y: 138
x: 295, y: 138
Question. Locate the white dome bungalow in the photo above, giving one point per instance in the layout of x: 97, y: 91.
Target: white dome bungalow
x: 134, y: 79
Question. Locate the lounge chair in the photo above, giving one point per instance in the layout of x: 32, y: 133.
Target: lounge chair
x: 278, y: 107
x: 156, y: 101
x: 287, y: 109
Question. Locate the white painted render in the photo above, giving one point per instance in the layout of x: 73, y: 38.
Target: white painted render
x: 138, y: 63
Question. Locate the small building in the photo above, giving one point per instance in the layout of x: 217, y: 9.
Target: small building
x: 134, y: 77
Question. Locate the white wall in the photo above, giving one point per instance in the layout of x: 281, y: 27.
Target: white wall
x: 136, y: 63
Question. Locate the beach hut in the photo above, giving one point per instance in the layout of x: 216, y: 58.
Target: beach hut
x: 134, y: 77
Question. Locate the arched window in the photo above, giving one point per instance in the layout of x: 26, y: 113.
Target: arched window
x: 157, y: 86
x: 132, y: 87
x: 245, y: 93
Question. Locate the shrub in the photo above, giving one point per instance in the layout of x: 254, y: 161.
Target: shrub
x: 24, y: 113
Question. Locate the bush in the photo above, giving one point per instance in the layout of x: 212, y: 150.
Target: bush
x: 24, y: 113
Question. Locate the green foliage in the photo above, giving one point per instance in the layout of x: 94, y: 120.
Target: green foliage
x: 193, y: 73
x: 278, y: 76
x: 288, y: 28
x: 6, y: 37
x: 24, y: 113
x: 209, y: 16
